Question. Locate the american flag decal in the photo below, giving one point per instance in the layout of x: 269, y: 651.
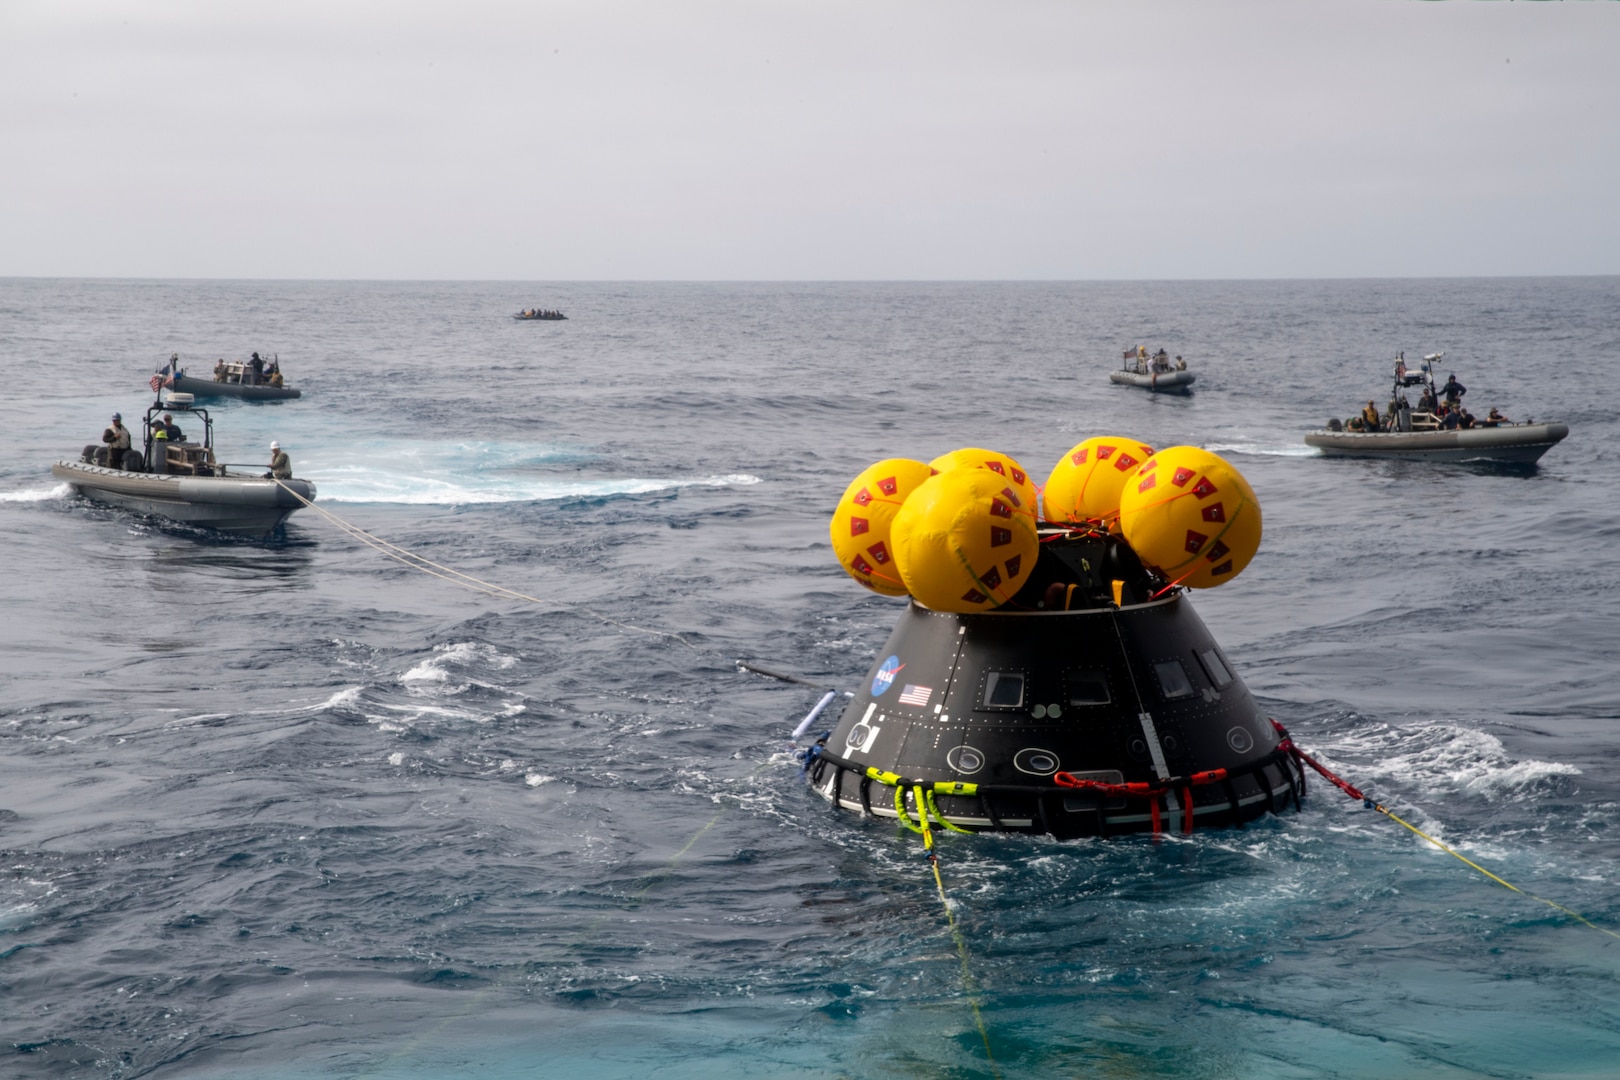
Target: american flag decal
x: 916, y: 695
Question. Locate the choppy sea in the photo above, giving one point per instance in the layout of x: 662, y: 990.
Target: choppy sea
x: 291, y: 809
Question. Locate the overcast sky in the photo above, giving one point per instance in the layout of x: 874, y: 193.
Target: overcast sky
x: 808, y: 139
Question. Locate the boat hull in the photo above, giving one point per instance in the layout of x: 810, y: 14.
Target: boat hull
x: 244, y: 506
x: 208, y: 388
x: 1169, y: 382
x: 1099, y: 699
x: 1517, y: 444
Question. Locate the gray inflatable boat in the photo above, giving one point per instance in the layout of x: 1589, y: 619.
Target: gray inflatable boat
x: 182, y: 480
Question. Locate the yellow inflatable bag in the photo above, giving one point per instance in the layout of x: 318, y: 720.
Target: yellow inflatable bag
x: 972, y: 457
x: 1190, y: 515
x: 1087, y: 483
x: 965, y: 540
x: 860, y: 525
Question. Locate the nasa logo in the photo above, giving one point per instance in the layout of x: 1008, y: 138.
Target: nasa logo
x: 885, y: 676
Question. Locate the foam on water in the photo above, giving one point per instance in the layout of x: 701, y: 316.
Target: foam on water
x: 27, y: 495
x: 415, y: 473
x: 1443, y: 759
x: 1264, y: 449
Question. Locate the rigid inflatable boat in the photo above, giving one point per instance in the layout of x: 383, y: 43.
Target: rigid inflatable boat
x: 1155, y: 373
x: 183, y: 481
x: 248, y: 380
x: 1511, y: 444
x: 1438, y: 428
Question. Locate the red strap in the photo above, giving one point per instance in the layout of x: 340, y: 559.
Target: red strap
x: 1301, y: 756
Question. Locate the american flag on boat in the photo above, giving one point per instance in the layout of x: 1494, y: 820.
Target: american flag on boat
x: 916, y: 695
x: 164, y: 377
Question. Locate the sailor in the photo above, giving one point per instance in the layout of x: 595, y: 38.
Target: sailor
x: 257, y: 367
x: 1453, y: 389
x: 1451, y: 421
x: 280, y: 463
x: 1181, y: 365
x: 167, y: 429
x: 117, y: 439
x: 1369, y: 417
x: 219, y: 370
x: 275, y: 378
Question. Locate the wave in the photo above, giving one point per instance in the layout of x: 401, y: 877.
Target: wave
x: 430, y: 491
x: 474, y: 472
x: 56, y: 491
x: 1447, y: 759
x: 1265, y: 449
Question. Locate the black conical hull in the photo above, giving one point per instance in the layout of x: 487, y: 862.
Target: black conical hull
x: 1074, y: 723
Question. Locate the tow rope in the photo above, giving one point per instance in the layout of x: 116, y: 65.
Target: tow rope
x: 427, y: 566
x: 1371, y: 804
x: 923, y: 800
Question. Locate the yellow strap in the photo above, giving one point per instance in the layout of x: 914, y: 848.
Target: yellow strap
x: 922, y: 820
x: 1577, y: 916
x: 955, y: 787
x: 939, y: 817
x: 968, y: 984
x: 904, y: 815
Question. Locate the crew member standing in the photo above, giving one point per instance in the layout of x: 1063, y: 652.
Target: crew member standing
x: 1369, y: 417
x: 117, y: 439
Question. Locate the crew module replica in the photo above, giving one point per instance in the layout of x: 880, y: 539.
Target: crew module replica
x: 1050, y: 674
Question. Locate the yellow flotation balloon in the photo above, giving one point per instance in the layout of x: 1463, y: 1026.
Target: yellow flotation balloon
x: 973, y: 457
x: 1087, y: 483
x: 1190, y: 515
x: 860, y: 525
x: 963, y: 543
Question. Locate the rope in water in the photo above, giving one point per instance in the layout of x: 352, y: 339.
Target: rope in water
x: 923, y: 799
x: 925, y: 803
x: 424, y: 565
x: 1355, y: 793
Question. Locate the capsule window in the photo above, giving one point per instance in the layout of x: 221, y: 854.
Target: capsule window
x: 1172, y: 680
x: 1087, y: 688
x: 1004, y: 689
x: 1215, y: 667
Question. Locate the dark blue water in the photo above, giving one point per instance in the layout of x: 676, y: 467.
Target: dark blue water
x: 295, y: 810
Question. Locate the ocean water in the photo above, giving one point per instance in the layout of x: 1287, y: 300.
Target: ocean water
x: 292, y: 809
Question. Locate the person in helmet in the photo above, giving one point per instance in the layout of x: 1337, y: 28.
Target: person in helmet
x: 280, y: 463
x: 117, y: 439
